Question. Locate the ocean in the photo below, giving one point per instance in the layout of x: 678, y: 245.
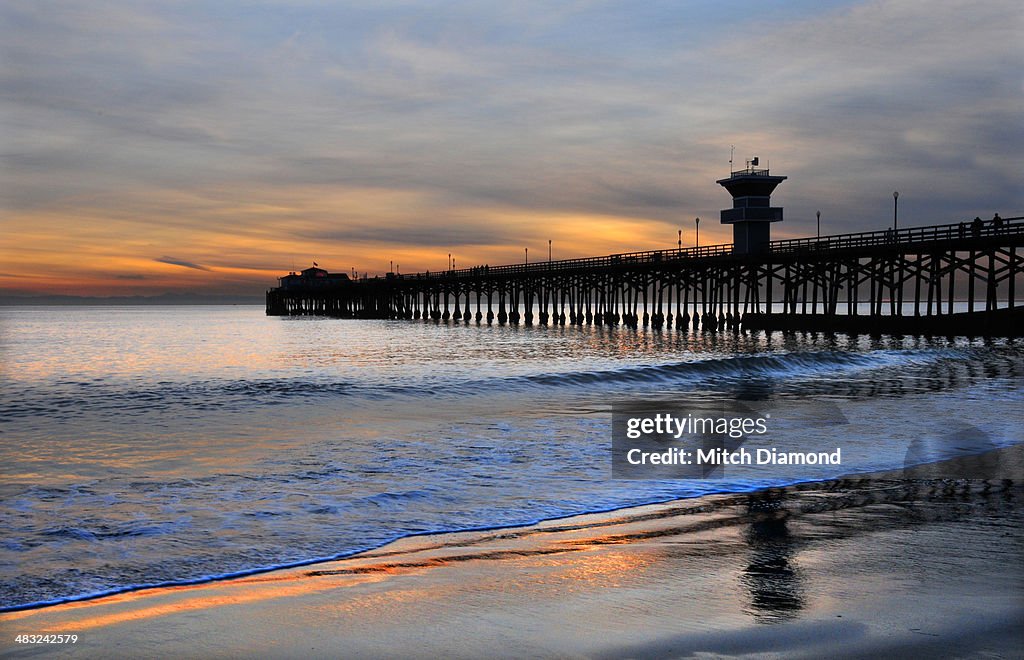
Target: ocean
x: 172, y: 445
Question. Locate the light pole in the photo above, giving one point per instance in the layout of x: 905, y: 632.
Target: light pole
x: 895, y: 210
x: 697, y: 222
x: 549, y: 250
x: 818, y: 214
x: 392, y: 266
x: 680, y: 239
x: 449, y: 261
x: 527, y: 251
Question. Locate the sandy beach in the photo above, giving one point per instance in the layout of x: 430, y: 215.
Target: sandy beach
x: 893, y: 564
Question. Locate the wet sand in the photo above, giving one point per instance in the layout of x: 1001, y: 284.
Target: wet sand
x: 895, y: 564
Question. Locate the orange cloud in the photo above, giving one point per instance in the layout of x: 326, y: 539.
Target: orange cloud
x: 238, y: 240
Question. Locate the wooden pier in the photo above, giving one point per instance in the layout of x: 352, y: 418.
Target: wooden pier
x: 956, y: 278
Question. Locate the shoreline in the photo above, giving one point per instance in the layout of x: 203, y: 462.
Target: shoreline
x: 748, y: 551
x: 1008, y: 465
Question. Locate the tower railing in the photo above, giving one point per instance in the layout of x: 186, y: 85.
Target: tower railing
x: 750, y: 171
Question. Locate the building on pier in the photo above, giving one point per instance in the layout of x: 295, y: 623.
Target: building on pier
x: 752, y: 213
x: 313, y: 278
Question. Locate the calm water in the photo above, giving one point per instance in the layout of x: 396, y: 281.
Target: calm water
x: 146, y: 445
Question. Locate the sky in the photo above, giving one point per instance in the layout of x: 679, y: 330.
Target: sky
x: 213, y: 146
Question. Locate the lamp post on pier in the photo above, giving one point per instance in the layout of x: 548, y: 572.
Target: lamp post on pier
x: 895, y: 210
x: 527, y: 252
x: 549, y: 250
x: 680, y: 244
x: 818, y: 214
x: 697, y: 242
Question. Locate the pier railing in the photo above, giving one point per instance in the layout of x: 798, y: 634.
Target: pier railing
x: 887, y: 237
x: 622, y: 259
x: 901, y: 237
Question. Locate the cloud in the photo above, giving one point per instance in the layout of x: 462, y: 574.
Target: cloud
x: 180, y: 262
x: 245, y: 135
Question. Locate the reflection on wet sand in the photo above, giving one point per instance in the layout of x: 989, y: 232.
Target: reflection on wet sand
x: 773, y: 581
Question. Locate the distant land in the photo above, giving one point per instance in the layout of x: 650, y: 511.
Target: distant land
x: 162, y: 299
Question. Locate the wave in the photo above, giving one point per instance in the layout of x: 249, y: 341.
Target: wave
x: 72, y: 399
x: 786, y: 364
x: 135, y: 528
